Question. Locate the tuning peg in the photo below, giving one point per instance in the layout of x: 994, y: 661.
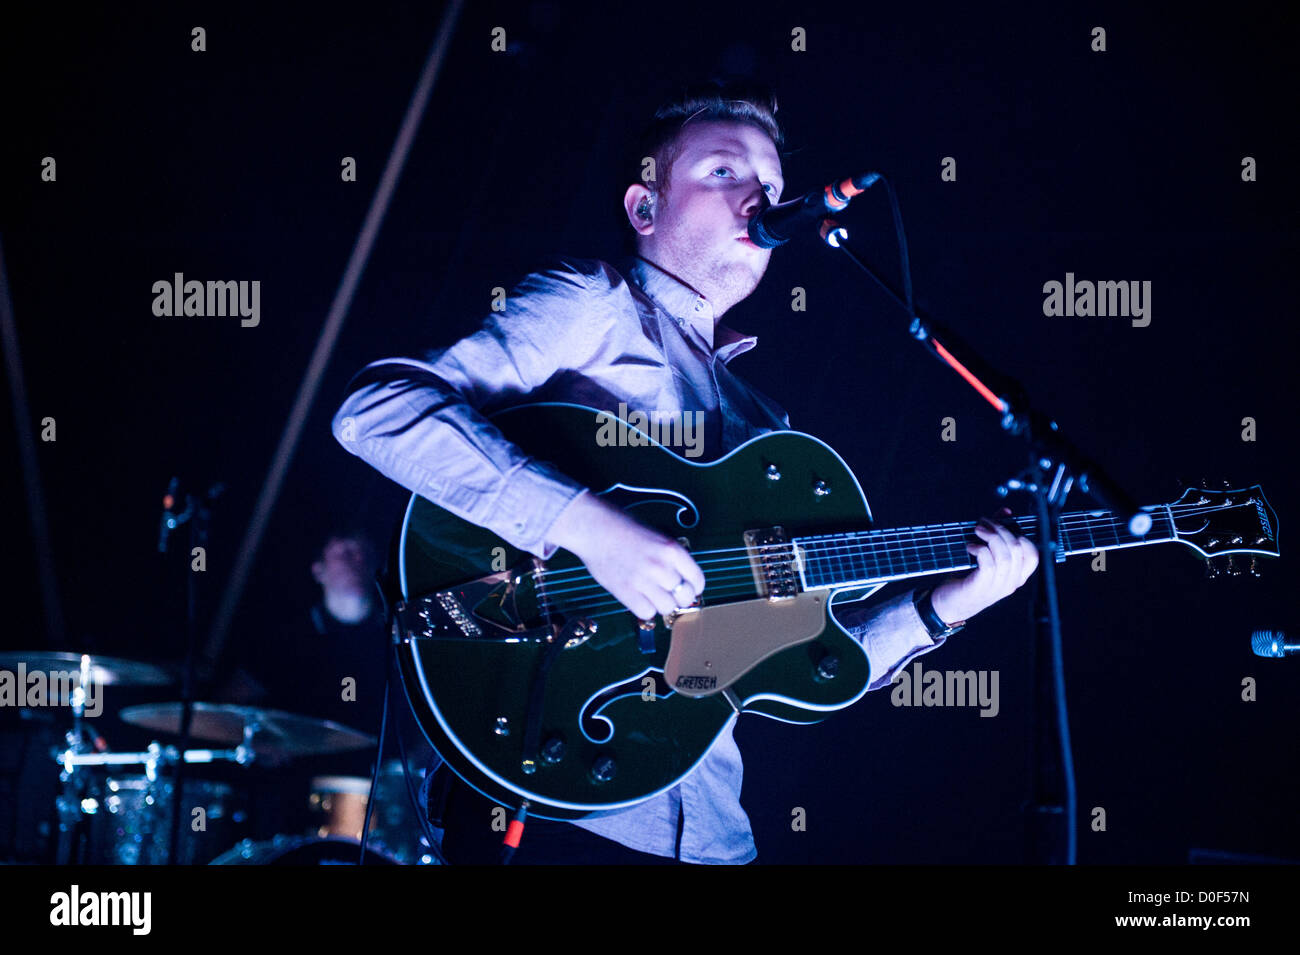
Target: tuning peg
x: 1211, y: 569
x: 1254, y: 567
x: 1233, y: 569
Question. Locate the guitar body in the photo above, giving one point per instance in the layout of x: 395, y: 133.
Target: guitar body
x: 605, y: 730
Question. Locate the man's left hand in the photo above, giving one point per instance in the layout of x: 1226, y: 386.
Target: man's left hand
x: 1004, y: 559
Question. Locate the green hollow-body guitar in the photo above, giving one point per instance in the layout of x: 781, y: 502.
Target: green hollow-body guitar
x: 535, y: 685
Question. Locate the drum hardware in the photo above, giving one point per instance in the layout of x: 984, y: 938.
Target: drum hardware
x: 123, y: 819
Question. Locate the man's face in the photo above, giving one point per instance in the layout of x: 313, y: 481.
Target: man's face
x: 342, y: 566
x: 724, y: 173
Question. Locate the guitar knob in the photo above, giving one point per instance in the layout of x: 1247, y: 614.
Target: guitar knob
x: 827, y: 667
x: 603, y: 769
x: 821, y: 488
x: 552, y: 751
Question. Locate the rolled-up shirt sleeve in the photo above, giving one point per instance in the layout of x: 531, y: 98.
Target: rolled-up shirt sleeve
x: 422, y: 421
x: 891, y: 632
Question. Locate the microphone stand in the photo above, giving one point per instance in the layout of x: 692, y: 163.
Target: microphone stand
x: 1054, y: 465
x: 198, y: 514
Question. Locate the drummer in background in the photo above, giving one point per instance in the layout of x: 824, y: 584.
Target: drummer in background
x: 327, y: 662
x: 345, y: 572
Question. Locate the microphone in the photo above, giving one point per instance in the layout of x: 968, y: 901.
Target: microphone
x: 775, y: 225
x: 1272, y: 643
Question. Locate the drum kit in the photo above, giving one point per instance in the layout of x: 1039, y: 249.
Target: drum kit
x: 117, y: 808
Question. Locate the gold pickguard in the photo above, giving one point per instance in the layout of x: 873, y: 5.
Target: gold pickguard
x: 713, y: 647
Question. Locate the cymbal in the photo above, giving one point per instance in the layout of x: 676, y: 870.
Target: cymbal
x: 275, y: 732
x: 106, y: 671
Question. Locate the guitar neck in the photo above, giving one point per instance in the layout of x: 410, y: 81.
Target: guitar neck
x: 867, y: 557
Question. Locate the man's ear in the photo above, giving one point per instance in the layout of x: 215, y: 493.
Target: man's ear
x: 639, y: 204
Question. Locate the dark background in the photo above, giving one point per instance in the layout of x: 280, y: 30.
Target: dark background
x: 1117, y: 165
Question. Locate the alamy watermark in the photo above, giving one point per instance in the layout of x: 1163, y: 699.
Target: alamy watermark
x: 1103, y: 299
x: 208, y: 299
x: 672, y: 429
x: 133, y: 910
x: 25, y: 688
x: 946, y: 688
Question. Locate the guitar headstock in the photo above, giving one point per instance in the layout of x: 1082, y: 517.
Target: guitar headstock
x: 1226, y: 521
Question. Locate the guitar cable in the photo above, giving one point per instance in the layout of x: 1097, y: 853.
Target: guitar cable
x: 514, y: 834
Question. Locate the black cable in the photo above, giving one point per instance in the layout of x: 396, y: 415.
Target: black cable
x: 374, y: 779
x: 383, y: 729
x: 421, y: 815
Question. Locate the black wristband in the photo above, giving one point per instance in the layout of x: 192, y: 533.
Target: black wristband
x: 934, y: 624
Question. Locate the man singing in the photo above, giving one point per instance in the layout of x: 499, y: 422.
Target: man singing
x: 646, y: 332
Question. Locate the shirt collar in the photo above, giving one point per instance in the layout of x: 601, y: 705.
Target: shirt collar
x: 689, y: 309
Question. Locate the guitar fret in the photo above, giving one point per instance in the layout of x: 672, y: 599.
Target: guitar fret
x: 951, y: 547
x: 902, y: 554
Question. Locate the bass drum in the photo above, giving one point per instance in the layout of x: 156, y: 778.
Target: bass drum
x: 301, y: 850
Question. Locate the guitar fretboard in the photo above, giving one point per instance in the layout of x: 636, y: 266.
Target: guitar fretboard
x: 836, y: 560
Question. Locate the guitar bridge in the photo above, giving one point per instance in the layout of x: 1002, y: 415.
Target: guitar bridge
x: 456, y: 613
x: 773, y: 561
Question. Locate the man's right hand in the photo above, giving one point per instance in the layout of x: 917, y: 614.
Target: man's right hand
x: 640, y: 567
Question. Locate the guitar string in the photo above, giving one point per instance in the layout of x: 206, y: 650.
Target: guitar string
x: 1071, y: 521
x: 719, y: 578
x: 720, y: 581
x: 868, y: 571
x: 828, y: 547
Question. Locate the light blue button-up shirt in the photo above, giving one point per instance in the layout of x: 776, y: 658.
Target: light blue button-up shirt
x: 588, y: 333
